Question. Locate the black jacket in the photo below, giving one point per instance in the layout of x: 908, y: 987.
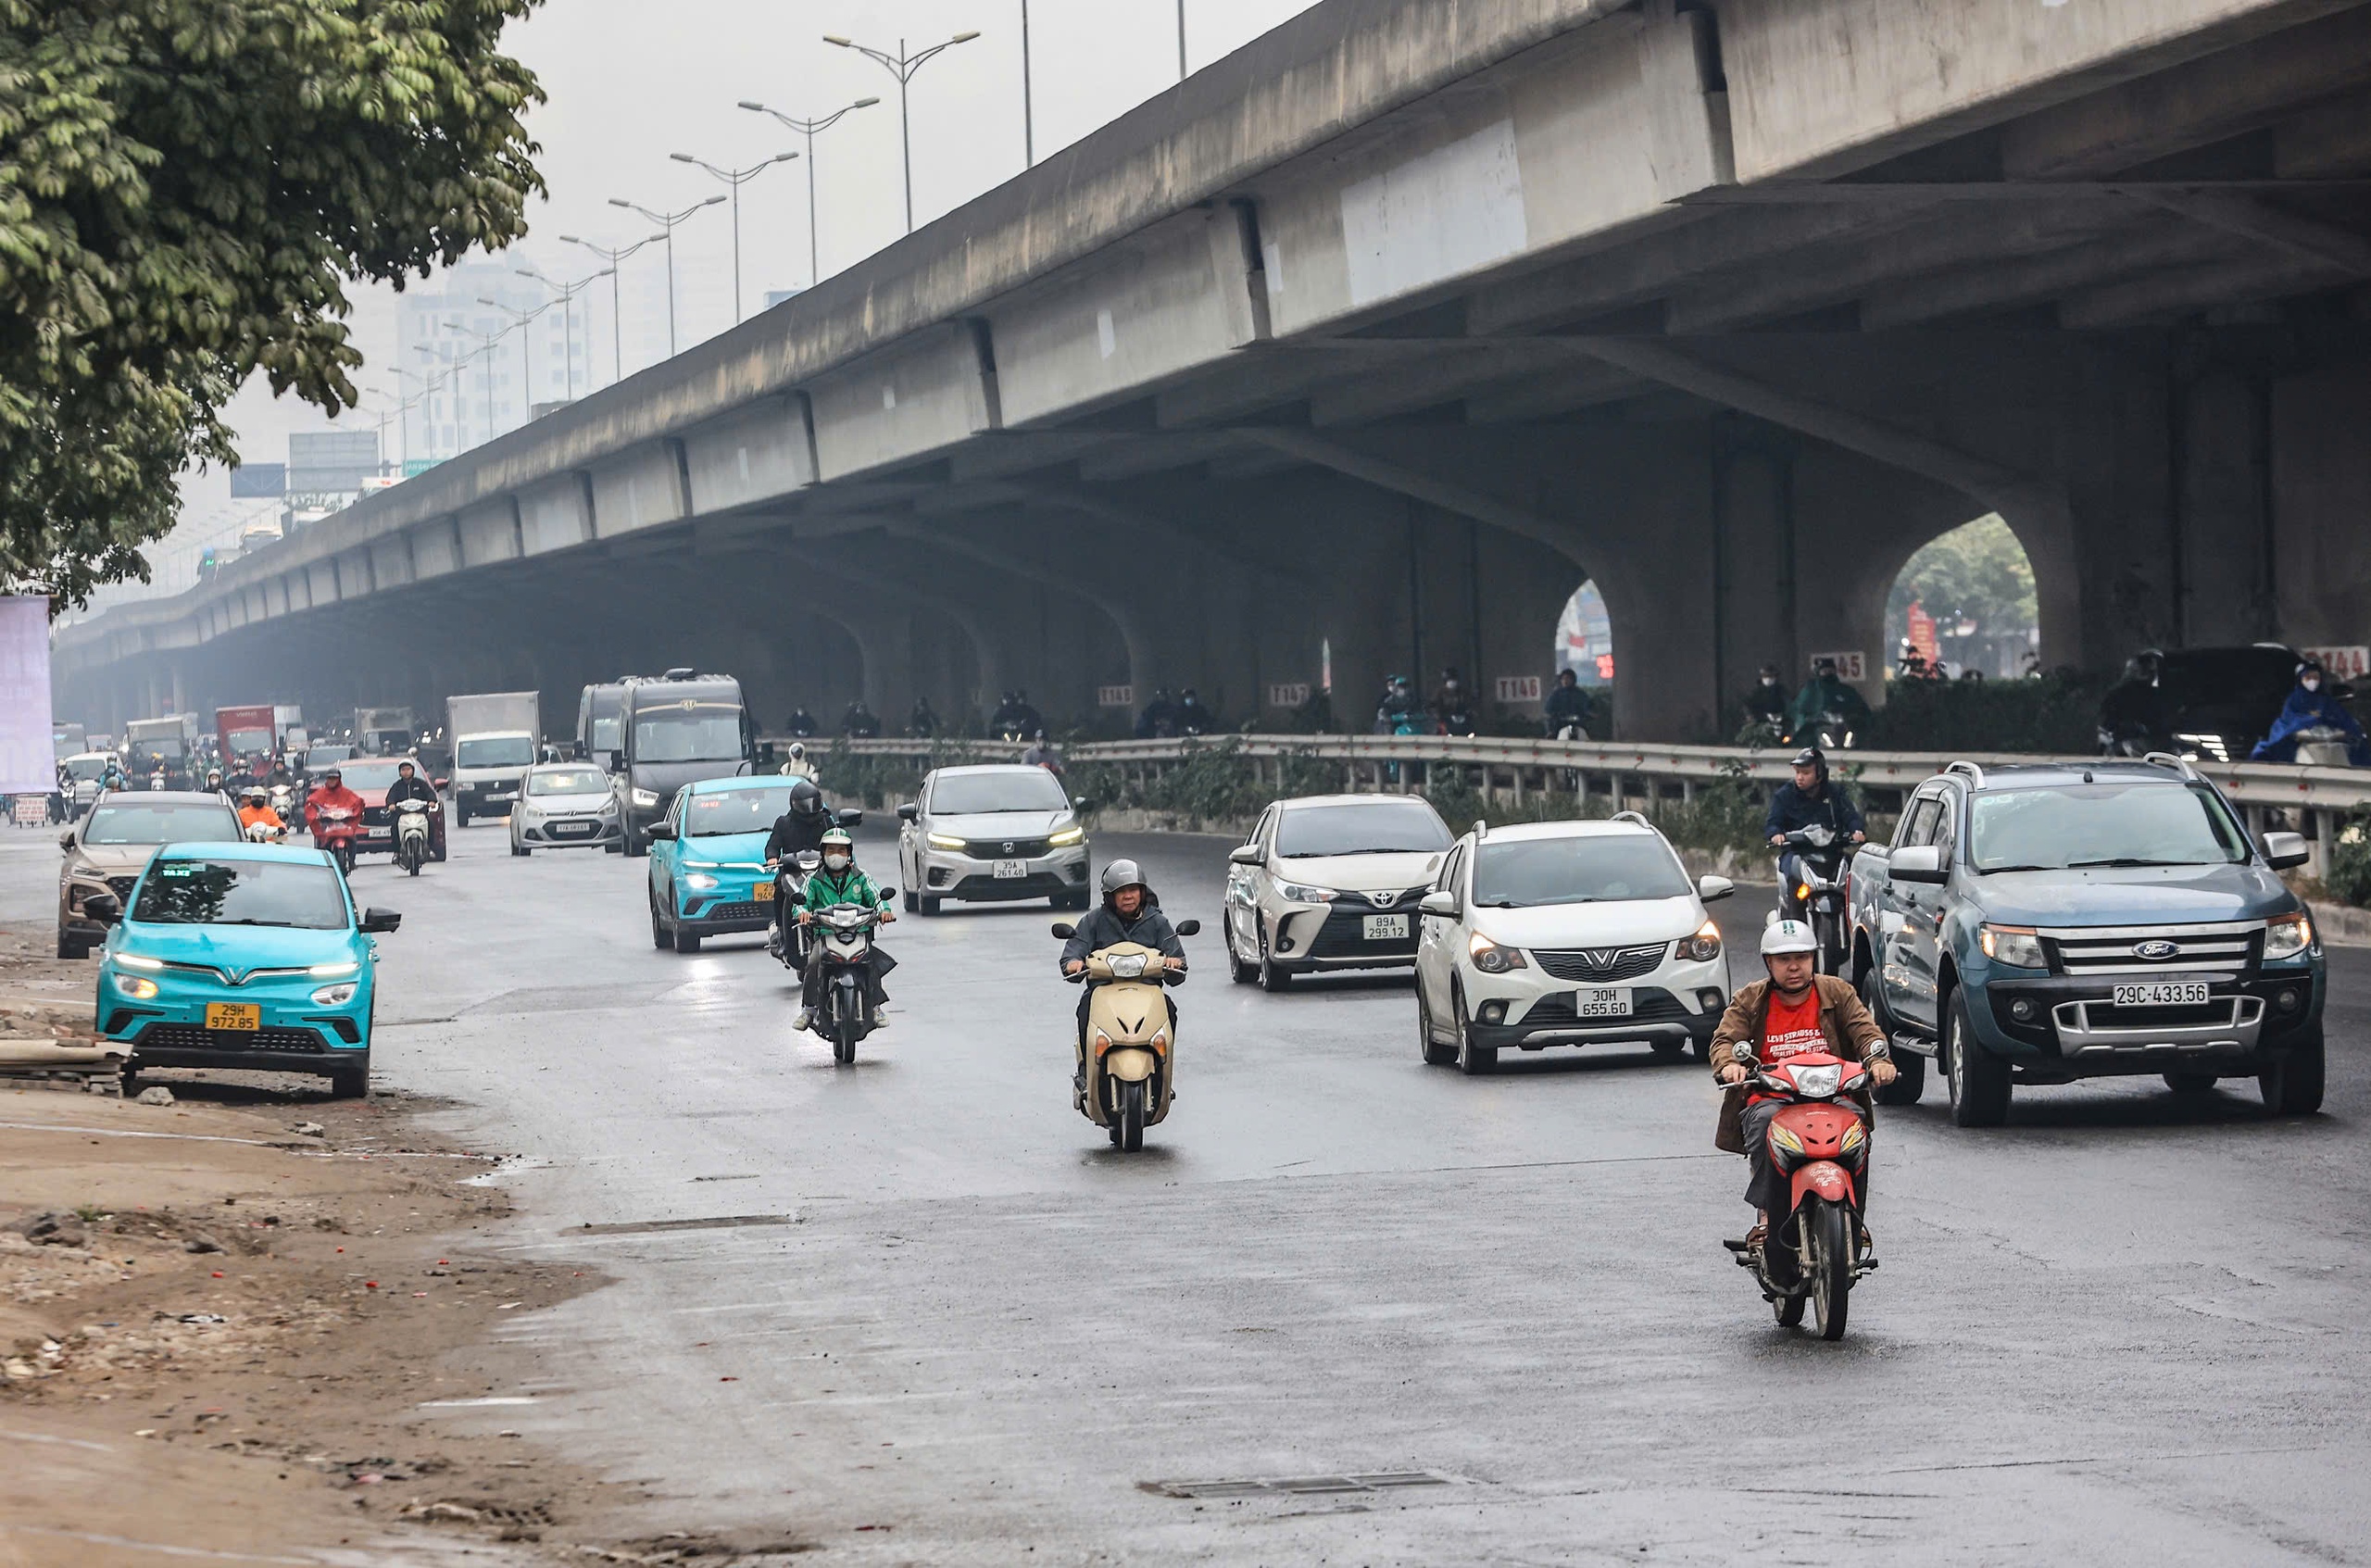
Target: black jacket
x: 413, y: 788
x: 1792, y: 809
x: 793, y: 834
x: 1766, y: 702
x: 1103, y: 928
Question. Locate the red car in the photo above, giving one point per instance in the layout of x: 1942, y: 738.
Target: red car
x: 368, y: 777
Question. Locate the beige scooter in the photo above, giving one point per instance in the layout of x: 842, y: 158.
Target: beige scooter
x: 1131, y: 1059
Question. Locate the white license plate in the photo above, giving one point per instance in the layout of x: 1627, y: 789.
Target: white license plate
x: 1602, y: 1001
x: 2161, y: 994
x: 1011, y: 871
x: 1386, y: 928
x: 376, y: 833
x: 502, y: 797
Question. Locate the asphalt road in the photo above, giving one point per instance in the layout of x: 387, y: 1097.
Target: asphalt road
x: 918, y: 1311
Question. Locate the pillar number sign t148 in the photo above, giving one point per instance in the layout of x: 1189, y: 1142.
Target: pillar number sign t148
x: 1115, y: 696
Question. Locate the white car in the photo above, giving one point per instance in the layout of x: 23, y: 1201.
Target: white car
x: 1566, y: 934
x: 992, y: 834
x: 1330, y: 881
x: 565, y: 805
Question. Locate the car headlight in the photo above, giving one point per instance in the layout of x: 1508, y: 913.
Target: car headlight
x: 336, y: 996
x: 645, y: 797
x: 945, y: 840
x: 2017, y: 946
x: 2285, y: 936
x: 1068, y: 836
x: 1491, y: 958
x: 609, y: 806
x: 700, y: 880
x: 1301, y: 893
x: 1704, y: 945
x: 331, y: 970
x: 135, y: 987
x: 133, y: 960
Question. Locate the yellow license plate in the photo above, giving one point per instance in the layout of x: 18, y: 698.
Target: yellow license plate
x: 763, y: 892
x: 233, y: 1015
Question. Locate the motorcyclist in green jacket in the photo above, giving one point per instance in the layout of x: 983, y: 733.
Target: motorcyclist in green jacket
x: 1826, y: 693
x: 839, y: 882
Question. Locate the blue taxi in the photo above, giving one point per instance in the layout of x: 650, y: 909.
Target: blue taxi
x: 707, y: 859
x: 242, y: 956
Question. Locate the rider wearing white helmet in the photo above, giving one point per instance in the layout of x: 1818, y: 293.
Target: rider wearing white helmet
x: 1793, y: 1010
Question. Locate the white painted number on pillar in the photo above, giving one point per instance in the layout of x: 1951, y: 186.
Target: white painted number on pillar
x: 1852, y: 666
x: 1287, y: 694
x: 1518, y: 688
x: 2346, y: 663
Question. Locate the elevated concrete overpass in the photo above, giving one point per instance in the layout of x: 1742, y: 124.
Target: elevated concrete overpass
x: 1382, y: 335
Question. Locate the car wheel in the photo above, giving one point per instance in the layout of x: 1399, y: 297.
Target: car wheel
x: 350, y: 1083
x: 1271, y: 979
x: 1240, y: 972
x: 1432, y: 1050
x: 461, y: 815
x: 686, y: 940
x: 931, y: 906
x: 657, y: 927
x: 912, y: 903
x: 2292, y: 1085
x: 72, y: 947
x: 1472, y: 1059
x: 636, y: 846
x: 520, y: 850
x: 1979, y: 1081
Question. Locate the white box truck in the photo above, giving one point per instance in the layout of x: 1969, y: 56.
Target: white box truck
x: 494, y: 737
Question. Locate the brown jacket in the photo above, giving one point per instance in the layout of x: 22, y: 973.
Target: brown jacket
x: 1851, y: 1034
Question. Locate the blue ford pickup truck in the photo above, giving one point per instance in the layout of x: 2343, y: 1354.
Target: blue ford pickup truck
x: 2042, y: 923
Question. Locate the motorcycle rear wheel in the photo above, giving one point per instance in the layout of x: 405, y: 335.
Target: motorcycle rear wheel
x: 1132, y: 1117
x: 1827, y: 1235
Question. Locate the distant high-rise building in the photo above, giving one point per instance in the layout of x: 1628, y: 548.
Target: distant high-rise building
x: 440, y: 331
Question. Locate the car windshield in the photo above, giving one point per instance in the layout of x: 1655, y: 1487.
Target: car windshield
x: 155, y: 746
x: 86, y: 767
x: 1023, y: 789
x: 247, y: 743
x: 1592, y: 869
x: 241, y: 892
x: 2071, y: 826
x: 497, y: 751
x: 372, y: 775
x: 734, y: 810
x: 1385, y: 828
x: 606, y: 734
x: 186, y: 821
x: 710, y: 736
x: 324, y: 754
x: 571, y: 780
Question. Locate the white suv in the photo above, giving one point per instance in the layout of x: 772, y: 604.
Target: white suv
x: 1566, y: 934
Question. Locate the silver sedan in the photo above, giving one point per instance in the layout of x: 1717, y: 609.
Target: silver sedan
x: 565, y: 805
x: 992, y: 834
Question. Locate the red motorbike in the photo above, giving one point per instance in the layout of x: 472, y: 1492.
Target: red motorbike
x: 1819, y: 1141
x: 335, y: 829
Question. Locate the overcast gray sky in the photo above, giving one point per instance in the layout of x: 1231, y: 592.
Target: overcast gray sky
x: 633, y: 81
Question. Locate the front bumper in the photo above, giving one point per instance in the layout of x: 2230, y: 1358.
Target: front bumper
x: 296, y: 1033
x: 558, y: 832
x: 1305, y: 938
x: 2060, y: 1028
x: 731, y: 906
x: 954, y: 874
x: 1529, y: 1010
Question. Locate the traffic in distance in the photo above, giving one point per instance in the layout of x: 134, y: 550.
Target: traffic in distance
x: 2025, y: 926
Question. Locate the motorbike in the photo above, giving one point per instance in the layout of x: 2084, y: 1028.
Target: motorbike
x: 284, y: 802
x: 156, y: 779
x: 264, y: 833
x: 788, y: 887
x: 1819, y: 1141
x: 411, y: 833
x: 2131, y: 740
x: 334, y: 830
x: 841, y: 1015
x: 1131, y: 1063
x: 84, y: 796
x: 1824, y: 859
x: 1829, y: 731
x: 2325, y: 746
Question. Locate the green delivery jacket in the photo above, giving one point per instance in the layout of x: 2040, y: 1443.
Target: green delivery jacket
x: 851, y: 887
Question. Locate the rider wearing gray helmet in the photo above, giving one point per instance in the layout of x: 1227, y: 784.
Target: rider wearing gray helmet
x: 1130, y: 912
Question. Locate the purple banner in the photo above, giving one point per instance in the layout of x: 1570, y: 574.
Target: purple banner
x: 28, y: 764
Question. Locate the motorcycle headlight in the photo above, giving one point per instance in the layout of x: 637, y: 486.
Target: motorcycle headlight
x: 945, y: 840
x: 135, y: 987
x: 1129, y: 968
x: 1491, y: 958
x: 2017, y: 946
x: 1705, y: 944
x: 2285, y: 936
x: 334, y: 996
x: 1067, y: 836
x: 1818, y: 1082
x: 1301, y: 893
x: 645, y: 797
x: 700, y: 880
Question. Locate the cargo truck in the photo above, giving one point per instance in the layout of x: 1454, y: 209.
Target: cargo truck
x: 494, y: 737
x: 384, y: 732
x: 170, y: 743
x: 243, y: 733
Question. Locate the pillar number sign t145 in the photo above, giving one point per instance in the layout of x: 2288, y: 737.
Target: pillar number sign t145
x: 1851, y: 666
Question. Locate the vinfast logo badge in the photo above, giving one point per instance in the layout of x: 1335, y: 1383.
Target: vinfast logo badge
x: 2157, y: 951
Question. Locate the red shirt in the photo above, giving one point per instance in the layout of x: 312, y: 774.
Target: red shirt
x: 1789, y: 1029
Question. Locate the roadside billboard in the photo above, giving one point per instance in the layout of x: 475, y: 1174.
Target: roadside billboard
x: 28, y: 757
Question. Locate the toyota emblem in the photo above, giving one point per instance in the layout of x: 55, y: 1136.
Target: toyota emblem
x: 2156, y: 951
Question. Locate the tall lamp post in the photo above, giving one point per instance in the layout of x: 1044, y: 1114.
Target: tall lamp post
x: 485, y: 346
x: 737, y: 178
x: 903, y: 66
x: 521, y: 319
x: 567, y: 293
x: 617, y: 322
x: 1181, y: 41
x: 667, y: 222
x: 808, y: 127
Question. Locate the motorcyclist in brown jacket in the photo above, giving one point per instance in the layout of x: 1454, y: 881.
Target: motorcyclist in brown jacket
x: 1794, y: 1010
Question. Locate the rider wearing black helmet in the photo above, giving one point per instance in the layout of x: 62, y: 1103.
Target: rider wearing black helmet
x: 800, y: 828
x: 1130, y: 912
x: 1812, y: 800
x: 1768, y: 702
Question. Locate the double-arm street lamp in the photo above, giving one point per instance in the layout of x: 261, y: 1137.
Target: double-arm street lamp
x: 808, y: 127
x: 567, y: 293
x: 903, y: 66
x: 737, y: 178
x: 667, y: 222
x: 523, y: 320
x: 617, y: 323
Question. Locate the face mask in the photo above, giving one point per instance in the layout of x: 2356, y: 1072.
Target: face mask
x: 835, y: 862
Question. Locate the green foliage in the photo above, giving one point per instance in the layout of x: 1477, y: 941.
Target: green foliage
x: 2058, y: 713
x: 845, y: 775
x: 2347, y: 868
x: 1977, y: 573
x: 1725, y: 814
x: 186, y: 189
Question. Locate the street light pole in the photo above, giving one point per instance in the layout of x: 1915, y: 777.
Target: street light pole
x: 617, y: 322
x: 1028, y: 105
x: 903, y: 66
x: 485, y: 346
x: 808, y: 127
x: 567, y: 293
x: 667, y: 222
x: 1181, y: 72
x: 737, y: 178
x: 526, y: 341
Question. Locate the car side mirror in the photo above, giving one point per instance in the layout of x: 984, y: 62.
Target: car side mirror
x: 105, y: 908
x: 1709, y: 888
x: 851, y: 819
x: 66, y: 841
x: 376, y: 920
x: 1065, y: 930
x: 663, y: 831
x: 1244, y: 855
x: 1189, y: 928
x: 614, y: 762
x: 1443, y: 902
x: 909, y: 811
x: 1919, y: 863
x: 2281, y: 850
